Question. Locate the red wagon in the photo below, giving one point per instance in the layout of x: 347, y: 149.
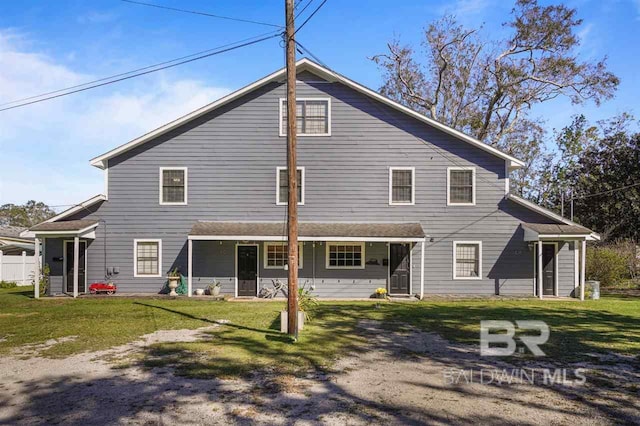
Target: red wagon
x: 108, y: 288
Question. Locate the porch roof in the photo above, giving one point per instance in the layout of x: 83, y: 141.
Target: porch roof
x: 537, y: 231
x: 308, y: 231
x: 83, y: 227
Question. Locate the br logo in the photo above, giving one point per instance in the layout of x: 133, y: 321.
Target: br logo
x: 504, y: 334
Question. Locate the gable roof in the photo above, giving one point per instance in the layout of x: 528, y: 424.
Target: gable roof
x: 301, y: 65
x: 548, y: 213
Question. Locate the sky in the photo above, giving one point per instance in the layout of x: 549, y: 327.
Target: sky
x: 45, y: 148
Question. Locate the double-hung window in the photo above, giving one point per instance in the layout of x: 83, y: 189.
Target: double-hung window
x: 147, y: 255
x: 345, y: 255
x: 276, y: 255
x: 313, y: 117
x: 467, y: 260
x: 282, y: 186
x: 461, y: 186
x: 401, y: 185
x: 173, y: 185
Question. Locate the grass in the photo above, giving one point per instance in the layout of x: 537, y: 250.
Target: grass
x: 251, y: 339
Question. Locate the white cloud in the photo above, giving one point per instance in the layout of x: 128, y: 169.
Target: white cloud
x: 46, y: 147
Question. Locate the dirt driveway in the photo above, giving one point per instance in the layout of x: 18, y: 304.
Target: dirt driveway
x: 409, y: 378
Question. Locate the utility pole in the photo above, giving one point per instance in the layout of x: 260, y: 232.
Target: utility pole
x: 562, y: 202
x: 292, y: 171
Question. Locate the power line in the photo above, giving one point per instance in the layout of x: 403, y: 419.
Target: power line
x: 195, y: 12
x: 217, y: 52
x: 309, y: 17
x: 606, y: 192
x: 136, y: 70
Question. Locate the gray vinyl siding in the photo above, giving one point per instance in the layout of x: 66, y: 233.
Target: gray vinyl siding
x: 232, y: 155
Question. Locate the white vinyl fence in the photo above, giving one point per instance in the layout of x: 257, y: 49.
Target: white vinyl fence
x: 18, y: 269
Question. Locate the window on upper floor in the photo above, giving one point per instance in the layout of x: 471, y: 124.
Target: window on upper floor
x: 275, y: 255
x: 147, y: 255
x: 313, y: 117
x: 401, y: 185
x: 467, y: 260
x: 282, y: 186
x: 461, y: 186
x: 173, y: 185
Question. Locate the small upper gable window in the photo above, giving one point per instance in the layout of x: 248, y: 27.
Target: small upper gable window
x: 313, y: 117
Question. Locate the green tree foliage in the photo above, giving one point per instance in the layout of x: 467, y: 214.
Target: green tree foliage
x: 26, y: 215
x: 606, y: 184
x: 606, y: 265
x: 486, y: 88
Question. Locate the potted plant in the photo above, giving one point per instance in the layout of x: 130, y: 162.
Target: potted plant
x: 214, y: 288
x: 174, y: 281
x: 381, y: 293
x: 307, y: 302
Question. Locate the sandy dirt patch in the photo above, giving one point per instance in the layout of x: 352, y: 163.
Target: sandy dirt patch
x: 399, y: 379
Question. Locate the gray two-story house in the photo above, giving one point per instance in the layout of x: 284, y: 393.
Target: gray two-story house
x: 388, y: 198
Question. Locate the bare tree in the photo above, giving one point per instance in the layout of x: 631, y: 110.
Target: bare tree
x: 486, y: 88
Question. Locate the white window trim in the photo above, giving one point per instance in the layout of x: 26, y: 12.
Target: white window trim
x: 135, y: 257
x: 473, y: 183
x: 276, y: 243
x: 479, y: 244
x: 281, y: 110
x: 413, y: 186
x: 345, y: 243
x: 186, y: 186
x: 303, y: 188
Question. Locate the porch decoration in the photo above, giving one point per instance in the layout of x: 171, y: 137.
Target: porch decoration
x: 174, y: 281
x: 381, y: 293
x: 214, y: 288
x: 199, y: 292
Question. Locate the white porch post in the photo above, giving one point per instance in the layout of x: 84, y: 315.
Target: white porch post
x: 24, y: 267
x: 422, y: 268
x: 190, y: 267
x: 36, y: 274
x: 540, y: 270
x: 1, y: 265
x: 583, y: 266
x: 76, y: 262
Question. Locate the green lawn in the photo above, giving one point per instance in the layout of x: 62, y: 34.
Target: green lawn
x: 251, y: 340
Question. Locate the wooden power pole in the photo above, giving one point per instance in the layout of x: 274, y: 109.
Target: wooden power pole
x: 292, y: 207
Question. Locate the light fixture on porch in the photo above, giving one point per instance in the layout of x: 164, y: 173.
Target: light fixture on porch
x: 530, y: 245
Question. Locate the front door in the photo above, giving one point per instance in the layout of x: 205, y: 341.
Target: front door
x: 399, y: 269
x: 70, y: 266
x: 548, y: 270
x: 247, y: 270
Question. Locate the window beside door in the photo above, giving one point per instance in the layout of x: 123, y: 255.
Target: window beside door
x: 147, y: 255
x: 345, y: 255
x: 276, y: 256
x: 467, y: 260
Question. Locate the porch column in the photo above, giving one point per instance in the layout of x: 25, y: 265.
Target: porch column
x: 190, y: 267
x: 1, y: 265
x: 583, y: 266
x: 540, y: 270
x: 76, y: 262
x: 38, y: 264
x: 422, y: 268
